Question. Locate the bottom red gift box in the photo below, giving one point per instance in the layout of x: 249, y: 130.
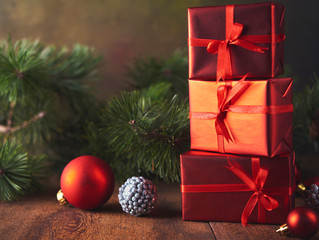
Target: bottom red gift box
x: 234, y: 188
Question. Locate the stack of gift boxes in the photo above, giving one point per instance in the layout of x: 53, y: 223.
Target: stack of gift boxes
x: 241, y: 164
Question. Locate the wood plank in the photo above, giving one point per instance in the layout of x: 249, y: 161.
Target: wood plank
x: 40, y: 217
x: 236, y: 231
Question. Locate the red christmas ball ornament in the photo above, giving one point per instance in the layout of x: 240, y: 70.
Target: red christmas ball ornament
x: 87, y: 182
x: 303, y: 222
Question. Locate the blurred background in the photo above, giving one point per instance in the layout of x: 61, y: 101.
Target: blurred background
x: 143, y: 44
x: 127, y: 29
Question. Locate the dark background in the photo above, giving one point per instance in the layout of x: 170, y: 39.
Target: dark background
x: 122, y: 30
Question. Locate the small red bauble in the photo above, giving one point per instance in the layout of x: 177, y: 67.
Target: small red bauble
x: 302, y: 222
x: 87, y: 182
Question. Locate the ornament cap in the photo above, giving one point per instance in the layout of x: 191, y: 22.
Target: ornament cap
x: 301, y: 188
x: 60, y: 198
x: 284, y: 230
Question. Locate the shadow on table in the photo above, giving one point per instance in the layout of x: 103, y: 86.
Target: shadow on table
x: 110, y: 207
x: 158, y: 212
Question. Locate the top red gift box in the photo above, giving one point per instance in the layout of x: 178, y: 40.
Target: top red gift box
x: 226, y: 42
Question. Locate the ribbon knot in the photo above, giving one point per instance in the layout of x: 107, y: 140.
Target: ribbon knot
x: 227, y: 95
x: 258, y: 196
x: 234, y: 36
x: 233, y: 33
x: 220, y: 123
x: 216, y: 46
x: 259, y: 193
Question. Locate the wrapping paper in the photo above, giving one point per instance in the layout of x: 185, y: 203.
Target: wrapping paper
x: 247, y: 117
x: 212, y: 190
x: 241, y: 39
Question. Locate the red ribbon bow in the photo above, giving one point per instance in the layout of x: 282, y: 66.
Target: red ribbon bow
x: 222, y: 47
x: 234, y: 36
x: 227, y: 95
x: 258, y: 196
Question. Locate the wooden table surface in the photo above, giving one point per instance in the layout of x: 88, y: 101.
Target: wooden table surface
x: 39, y: 216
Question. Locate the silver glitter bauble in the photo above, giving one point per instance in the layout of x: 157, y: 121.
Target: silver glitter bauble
x: 312, y: 197
x: 137, y: 196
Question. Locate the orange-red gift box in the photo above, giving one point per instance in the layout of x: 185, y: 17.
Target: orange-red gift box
x: 232, y: 188
x: 256, y: 48
x: 242, y: 117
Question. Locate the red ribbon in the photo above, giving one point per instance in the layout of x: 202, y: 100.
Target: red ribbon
x: 254, y: 184
x: 227, y: 95
x: 258, y: 196
x: 233, y: 37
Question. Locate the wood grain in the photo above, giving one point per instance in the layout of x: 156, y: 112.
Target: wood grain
x: 238, y: 232
x: 225, y: 231
x: 41, y: 217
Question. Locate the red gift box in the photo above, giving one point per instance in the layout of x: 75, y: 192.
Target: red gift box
x: 241, y: 117
x: 231, y: 188
x: 229, y: 41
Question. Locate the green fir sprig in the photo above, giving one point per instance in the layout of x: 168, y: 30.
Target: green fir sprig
x: 42, y: 87
x: 17, y: 171
x: 306, y: 118
x: 139, y: 133
x: 144, y: 72
x: 44, y: 92
x: 23, y: 74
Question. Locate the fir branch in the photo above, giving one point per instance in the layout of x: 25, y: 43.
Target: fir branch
x: 39, y: 170
x: 15, y: 177
x: 22, y: 73
x: 137, y: 133
x: 79, y: 63
x: 10, y: 116
x: 32, y: 123
x: 38, y: 80
x: 306, y: 115
x: 144, y: 72
x: 8, y: 129
x: 44, y: 96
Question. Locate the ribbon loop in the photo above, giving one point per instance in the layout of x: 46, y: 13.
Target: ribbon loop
x: 225, y: 96
x: 235, y: 32
x: 213, y: 46
x: 233, y: 36
x: 256, y: 186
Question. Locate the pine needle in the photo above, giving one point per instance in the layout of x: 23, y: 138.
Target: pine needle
x: 139, y: 134
x: 16, y: 175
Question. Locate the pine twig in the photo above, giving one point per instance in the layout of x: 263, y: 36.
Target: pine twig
x: 143, y: 133
x: 15, y: 172
x: 36, y: 81
x: 10, y: 116
x: 8, y: 129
